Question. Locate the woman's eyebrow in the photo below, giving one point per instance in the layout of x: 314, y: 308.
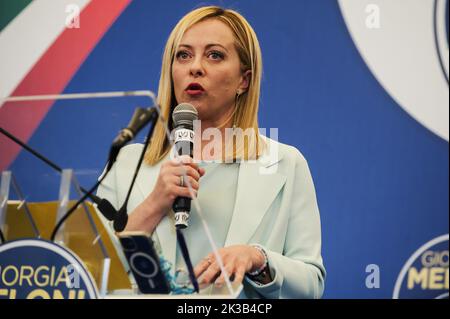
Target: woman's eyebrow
x: 206, y: 47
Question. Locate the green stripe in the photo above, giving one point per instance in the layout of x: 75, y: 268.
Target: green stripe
x: 9, y: 9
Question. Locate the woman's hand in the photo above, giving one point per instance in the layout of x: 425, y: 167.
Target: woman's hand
x: 237, y: 260
x: 149, y: 213
x: 168, y: 185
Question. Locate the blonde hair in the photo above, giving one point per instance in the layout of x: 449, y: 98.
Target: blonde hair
x: 246, y: 109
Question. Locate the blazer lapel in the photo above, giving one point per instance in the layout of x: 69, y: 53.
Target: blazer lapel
x: 255, y: 193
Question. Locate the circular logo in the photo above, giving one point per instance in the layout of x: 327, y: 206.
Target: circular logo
x: 425, y: 274
x: 39, y: 269
x: 406, y: 49
x: 441, y: 30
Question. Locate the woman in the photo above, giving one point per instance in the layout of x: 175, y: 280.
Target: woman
x: 262, y: 212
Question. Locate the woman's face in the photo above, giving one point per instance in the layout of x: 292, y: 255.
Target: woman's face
x: 206, y: 71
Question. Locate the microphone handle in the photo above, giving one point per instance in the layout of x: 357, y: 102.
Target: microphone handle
x: 184, y: 136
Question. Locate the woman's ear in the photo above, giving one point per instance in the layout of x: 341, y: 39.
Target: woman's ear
x: 245, y: 82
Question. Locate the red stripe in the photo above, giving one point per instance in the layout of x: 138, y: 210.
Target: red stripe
x: 52, y: 73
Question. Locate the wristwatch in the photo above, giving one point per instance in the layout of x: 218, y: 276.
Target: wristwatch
x: 262, y: 274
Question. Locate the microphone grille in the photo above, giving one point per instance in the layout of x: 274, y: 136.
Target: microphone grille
x: 184, y: 114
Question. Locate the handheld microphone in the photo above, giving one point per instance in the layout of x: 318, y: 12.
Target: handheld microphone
x: 183, y: 118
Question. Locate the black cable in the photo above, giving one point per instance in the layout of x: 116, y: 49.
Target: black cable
x: 122, y: 217
x: 87, y: 193
x: 187, y: 259
x: 2, y: 237
x: 40, y: 156
x: 75, y: 206
x: 29, y: 149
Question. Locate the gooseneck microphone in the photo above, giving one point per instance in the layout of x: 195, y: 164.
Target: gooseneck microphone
x: 141, y: 117
x: 103, y: 205
x: 183, y: 118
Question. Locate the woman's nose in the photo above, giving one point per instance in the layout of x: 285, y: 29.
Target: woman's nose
x: 197, y: 67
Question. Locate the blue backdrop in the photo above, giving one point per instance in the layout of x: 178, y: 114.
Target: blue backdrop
x: 381, y: 177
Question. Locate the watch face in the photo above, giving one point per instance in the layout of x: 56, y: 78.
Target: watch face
x: 263, y: 277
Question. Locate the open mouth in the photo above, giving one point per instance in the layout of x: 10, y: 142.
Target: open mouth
x: 194, y: 89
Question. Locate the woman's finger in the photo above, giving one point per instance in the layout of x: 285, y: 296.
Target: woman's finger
x: 187, y: 161
x: 202, y: 266
x: 229, y: 269
x: 181, y: 170
x: 239, y: 275
x: 210, y: 275
x: 179, y: 191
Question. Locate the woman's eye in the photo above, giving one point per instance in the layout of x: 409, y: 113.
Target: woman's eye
x: 215, y: 55
x: 183, y: 55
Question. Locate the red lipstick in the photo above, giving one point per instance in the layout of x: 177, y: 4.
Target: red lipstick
x: 194, y: 89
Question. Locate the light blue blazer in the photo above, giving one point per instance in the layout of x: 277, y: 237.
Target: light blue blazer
x: 275, y: 207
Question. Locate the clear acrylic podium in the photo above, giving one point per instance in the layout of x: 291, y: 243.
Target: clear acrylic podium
x: 85, y: 232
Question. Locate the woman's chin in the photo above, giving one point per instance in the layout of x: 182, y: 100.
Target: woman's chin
x: 197, y: 104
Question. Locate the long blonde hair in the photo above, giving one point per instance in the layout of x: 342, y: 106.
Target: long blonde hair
x: 246, y: 108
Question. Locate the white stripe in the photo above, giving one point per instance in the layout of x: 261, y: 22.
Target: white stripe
x: 26, y: 38
x: 74, y: 96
